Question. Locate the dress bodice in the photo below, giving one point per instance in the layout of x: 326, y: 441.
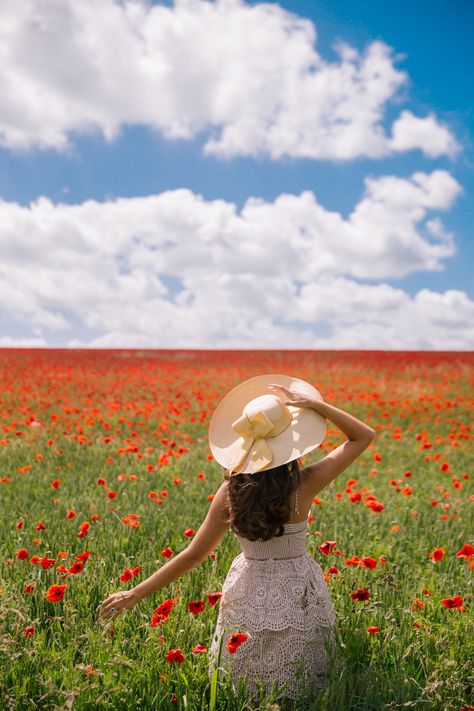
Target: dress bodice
x: 290, y: 545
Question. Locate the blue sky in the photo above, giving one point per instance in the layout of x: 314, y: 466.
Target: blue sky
x: 410, y: 303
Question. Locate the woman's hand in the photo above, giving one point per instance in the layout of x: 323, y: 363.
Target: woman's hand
x: 296, y: 398
x: 118, y: 601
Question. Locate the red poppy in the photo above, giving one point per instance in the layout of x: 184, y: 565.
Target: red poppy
x: 126, y: 575
x: 167, y: 552
x: 355, y: 560
x: 29, y: 631
x: 373, y: 630
x: 199, y: 648
x: 76, y: 567
x: 165, y: 608
x: 235, y: 640
x: 47, y: 562
x: 175, y: 656
x: 437, y: 554
x: 189, y: 532
x: 157, y: 619
x: 368, y: 562
x: 130, y: 521
x: 196, y: 606
x: 360, y: 594
x: 327, y: 546
x: 55, y: 593
x: 22, y: 554
x: 467, y: 551
x: 376, y: 506
x: 213, y: 598
x: 83, y: 556
x: 455, y: 601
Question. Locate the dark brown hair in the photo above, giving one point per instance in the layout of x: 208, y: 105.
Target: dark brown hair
x: 259, y: 504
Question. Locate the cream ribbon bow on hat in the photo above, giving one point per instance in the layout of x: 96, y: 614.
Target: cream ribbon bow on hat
x: 254, y: 430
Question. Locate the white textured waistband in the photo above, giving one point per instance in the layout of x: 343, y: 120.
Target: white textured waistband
x: 292, y: 557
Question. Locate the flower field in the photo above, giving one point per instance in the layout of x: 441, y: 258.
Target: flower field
x: 105, y: 474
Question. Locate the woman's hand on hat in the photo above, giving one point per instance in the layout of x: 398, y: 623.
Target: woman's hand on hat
x: 296, y: 398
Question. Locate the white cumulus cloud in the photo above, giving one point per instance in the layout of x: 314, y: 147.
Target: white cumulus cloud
x: 174, y: 270
x: 248, y: 77
x: 434, y: 139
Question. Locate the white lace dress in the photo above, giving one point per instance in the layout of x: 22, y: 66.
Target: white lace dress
x: 275, y: 592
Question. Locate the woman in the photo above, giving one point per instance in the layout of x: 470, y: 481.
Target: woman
x: 274, y: 591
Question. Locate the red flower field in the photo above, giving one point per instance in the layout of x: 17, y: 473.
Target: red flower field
x: 106, y: 474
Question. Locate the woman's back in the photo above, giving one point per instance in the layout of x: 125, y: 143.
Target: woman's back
x: 301, y: 500
x: 291, y: 544
x: 276, y: 593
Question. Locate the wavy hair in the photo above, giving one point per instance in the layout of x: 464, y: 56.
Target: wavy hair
x: 259, y: 504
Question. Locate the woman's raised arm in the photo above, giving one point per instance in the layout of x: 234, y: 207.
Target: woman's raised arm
x: 360, y: 435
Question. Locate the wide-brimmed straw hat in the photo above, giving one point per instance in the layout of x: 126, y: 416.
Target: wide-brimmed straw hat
x: 252, y: 429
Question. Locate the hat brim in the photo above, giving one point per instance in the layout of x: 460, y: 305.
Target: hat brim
x: 305, y: 432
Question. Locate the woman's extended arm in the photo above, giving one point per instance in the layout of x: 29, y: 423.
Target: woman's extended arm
x: 208, y: 536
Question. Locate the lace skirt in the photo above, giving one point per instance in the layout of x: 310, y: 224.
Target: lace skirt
x: 285, y: 608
